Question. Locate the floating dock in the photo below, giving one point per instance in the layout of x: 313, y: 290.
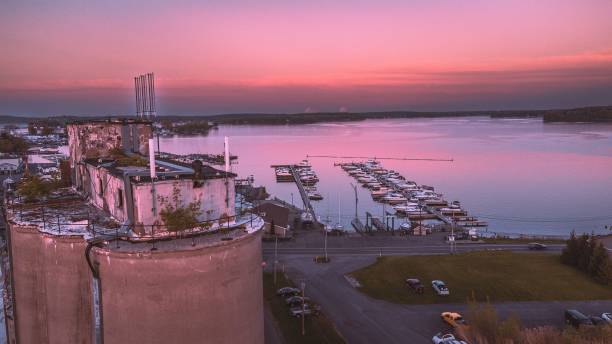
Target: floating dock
x: 294, y: 176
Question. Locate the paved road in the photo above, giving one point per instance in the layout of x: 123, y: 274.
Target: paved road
x: 395, y: 250
x: 361, y: 319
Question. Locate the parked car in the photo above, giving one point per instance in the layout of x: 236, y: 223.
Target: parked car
x: 296, y: 300
x: 607, y: 317
x: 537, y: 246
x: 306, y: 310
x: 576, y: 319
x: 597, y: 321
x: 453, y: 319
x: 288, y: 291
x: 416, y: 285
x: 440, y: 288
x: 446, y: 339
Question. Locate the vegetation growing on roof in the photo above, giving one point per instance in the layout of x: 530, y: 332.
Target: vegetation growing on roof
x: 176, y: 215
x: 34, y: 188
x: 122, y: 159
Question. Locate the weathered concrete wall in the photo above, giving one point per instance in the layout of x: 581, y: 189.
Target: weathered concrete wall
x: 97, y: 138
x: 211, y: 194
x: 52, y: 284
x: 104, y: 192
x: 194, y: 295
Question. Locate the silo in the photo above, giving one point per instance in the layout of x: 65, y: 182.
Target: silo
x: 52, y: 287
x: 191, y: 290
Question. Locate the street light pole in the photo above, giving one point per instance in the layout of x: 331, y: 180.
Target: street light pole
x: 275, y: 256
x: 325, y: 229
x: 303, y: 308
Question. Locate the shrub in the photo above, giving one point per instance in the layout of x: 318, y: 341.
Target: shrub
x: 34, y: 188
x: 123, y: 159
x: 12, y: 144
x: 176, y: 215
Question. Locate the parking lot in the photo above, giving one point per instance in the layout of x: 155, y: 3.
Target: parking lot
x: 361, y: 319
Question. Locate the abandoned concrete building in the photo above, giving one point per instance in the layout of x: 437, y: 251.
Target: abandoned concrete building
x: 112, y: 259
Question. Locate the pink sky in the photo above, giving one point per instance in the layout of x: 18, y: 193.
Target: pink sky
x: 74, y: 57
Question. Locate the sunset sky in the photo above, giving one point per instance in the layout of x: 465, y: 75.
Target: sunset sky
x: 80, y: 57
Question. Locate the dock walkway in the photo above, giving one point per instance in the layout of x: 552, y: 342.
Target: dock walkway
x: 307, y: 205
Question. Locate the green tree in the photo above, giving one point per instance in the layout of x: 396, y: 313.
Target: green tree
x: 176, y: 215
x: 34, y: 188
x: 13, y: 144
x: 585, y: 250
x: 600, y: 266
x: 167, y: 124
x: 46, y: 131
x: 32, y: 129
x: 569, y: 255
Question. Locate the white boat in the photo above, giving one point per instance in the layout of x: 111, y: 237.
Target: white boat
x: 380, y: 193
x: 394, y: 198
x: 315, y: 196
x: 303, y: 163
x: 405, y: 226
x: 306, y: 217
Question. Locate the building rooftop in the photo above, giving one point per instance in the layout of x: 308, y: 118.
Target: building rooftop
x: 117, y: 120
x: 66, y: 213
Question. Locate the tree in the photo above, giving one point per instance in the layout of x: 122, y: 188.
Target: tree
x: 12, y: 144
x: 46, y: 131
x: 600, y: 266
x: 569, y: 255
x: 32, y: 129
x: 34, y: 188
x: 176, y: 215
x: 585, y: 251
x: 167, y: 124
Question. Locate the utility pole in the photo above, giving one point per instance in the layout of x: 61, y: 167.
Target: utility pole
x: 275, y: 255
x: 303, y: 308
x: 356, y: 200
x: 325, y: 229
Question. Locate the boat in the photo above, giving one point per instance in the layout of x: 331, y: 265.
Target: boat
x: 303, y: 163
x: 406, y: 208
x: 283, y: 175
x: 453, y: 212
x: 394, y: 198
x: 406, y: 226
x: 315, y: 196
x: 306, y: 217
x: 436, y: 202
x: 380, y: 193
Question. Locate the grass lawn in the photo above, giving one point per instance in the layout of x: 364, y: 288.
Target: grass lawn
x: 318, y: 329
x: 498, y: 276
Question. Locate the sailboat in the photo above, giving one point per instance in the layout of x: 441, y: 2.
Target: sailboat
x: 339, y: 226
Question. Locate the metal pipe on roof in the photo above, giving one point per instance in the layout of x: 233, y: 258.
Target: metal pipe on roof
x: 137, y: 98
x: 153, y: 109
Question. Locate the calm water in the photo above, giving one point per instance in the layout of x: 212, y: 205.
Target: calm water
x: 521, y: 175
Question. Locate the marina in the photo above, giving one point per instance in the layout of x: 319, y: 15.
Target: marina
x: 543, y: 196
x: 305, y: 179
x: 409, y: 200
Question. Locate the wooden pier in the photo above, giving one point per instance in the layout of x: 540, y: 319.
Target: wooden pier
x: 307, y: 205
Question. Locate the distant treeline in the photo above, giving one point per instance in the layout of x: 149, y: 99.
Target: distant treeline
x: 307, y: 118
x: 587, y: 114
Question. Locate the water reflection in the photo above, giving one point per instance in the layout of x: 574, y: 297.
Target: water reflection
x: 524, y: 175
